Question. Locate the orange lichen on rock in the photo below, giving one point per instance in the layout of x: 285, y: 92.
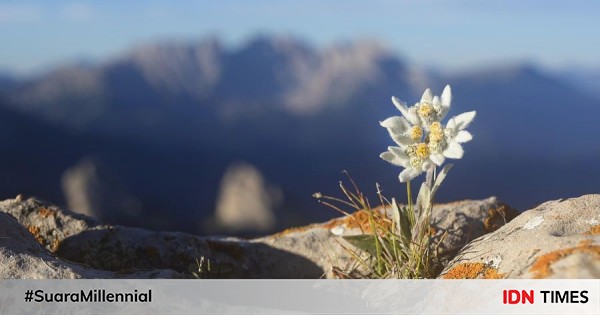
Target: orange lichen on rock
x: 594, y: 230
x: 35, y: 231
x: 360, y: 219
x: 45, y: 212
x: 55, y: 245
x: 473, y: 271
x: 498, y: 216
x: 293, y: 230
x: 542, y: 267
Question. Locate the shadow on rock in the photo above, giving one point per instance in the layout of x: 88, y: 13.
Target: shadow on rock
x: 122, y: 249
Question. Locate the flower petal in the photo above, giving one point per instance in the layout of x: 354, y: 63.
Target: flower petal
x: 399, y: 152
x: 400, y: 156
x: 413, y: 118
x: 402, y: 140
x: 436, y: 104
x: 427, y: 96
x: 408, y: 174
x: 393, y: 159
x: 463, y: 136
x: 446, y: 100
x: 437, y: 158
x: 463, y: 120
x: 395, y: 124
x: 454, y: 151
x: 400, y: 105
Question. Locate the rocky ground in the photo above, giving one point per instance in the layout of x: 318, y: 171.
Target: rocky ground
x: 558, y: 239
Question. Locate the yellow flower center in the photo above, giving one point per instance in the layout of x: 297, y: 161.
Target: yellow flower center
x: 416, y: 132
x: 422, y: 150
x: 416, y: 162
x: 436, y: 146
x: 436, y: 125
x: 436, y: 135
x: 425, y: 109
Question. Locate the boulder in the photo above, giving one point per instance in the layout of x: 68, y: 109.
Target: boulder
x: 557, y: 239
x: 22, y: 257
x: 313, y: 251
x: 47, y: 223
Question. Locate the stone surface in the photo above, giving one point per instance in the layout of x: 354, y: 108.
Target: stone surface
x: 312, y: 251
x: 22, y: 257
x: 557, y: 239
x: 48, y: 224
x: 458, y: 222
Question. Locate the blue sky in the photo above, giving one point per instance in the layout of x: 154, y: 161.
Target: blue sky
x: 447, y: 34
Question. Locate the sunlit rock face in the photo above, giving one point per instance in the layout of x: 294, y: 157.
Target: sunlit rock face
x: 246, y: 202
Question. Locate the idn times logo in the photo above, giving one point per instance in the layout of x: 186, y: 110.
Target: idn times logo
x: 549, y: 296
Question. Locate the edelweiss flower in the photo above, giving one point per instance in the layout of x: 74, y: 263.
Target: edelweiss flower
x: 401, y: 131
x: 445, y: 143
x: 428, y: 110
x: 414, y: 158
x: 422, y: 140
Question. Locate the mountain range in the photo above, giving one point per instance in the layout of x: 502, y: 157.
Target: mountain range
x: 168, y: 118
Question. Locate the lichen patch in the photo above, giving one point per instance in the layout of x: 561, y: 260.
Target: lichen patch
x: 594, y: 230
x: 360, y: 220
x: 542, y: 267
x: 35, y: 231
x: 473, y: 271
x: 498, y: 216
x: 45, y: 212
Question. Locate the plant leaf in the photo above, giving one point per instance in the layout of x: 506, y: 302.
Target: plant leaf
x: 364, y: 242
x: 440, y: 178
x: 396, y: 216
x: 405, y: 226
x: 423, y: 200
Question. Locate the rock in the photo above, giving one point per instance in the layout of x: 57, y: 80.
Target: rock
x: 557, y: 239
x: 246, y: 202
x: 48, y: 224
x: 459, y: 222
x: 313, y: 251
x: 22, y: 257
x: 91, y: 189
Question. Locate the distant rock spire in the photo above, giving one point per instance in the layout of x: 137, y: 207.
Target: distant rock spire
x: 90, y: 189
x: 246, y: 202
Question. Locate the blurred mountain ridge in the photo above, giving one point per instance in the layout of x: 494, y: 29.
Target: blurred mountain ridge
x: 170, y: 117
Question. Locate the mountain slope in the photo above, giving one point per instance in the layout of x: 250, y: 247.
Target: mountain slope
x: 170, y: 117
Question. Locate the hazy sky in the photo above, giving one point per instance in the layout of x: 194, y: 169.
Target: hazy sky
x: 446, y: 34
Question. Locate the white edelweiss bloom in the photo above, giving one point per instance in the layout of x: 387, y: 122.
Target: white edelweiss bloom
x: 446, y: 142
x: 401, y: 130
x: 414, y: 158
x: 446, y: 101
x: 422, y: 139
x: 409, y: 113
x: 430, y: 109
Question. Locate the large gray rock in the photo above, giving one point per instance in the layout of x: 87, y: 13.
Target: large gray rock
x: 303, y: 252
x: 557, y: 239
x: 22, y: 257
x: 458, y: 222
x: 48, y: 224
